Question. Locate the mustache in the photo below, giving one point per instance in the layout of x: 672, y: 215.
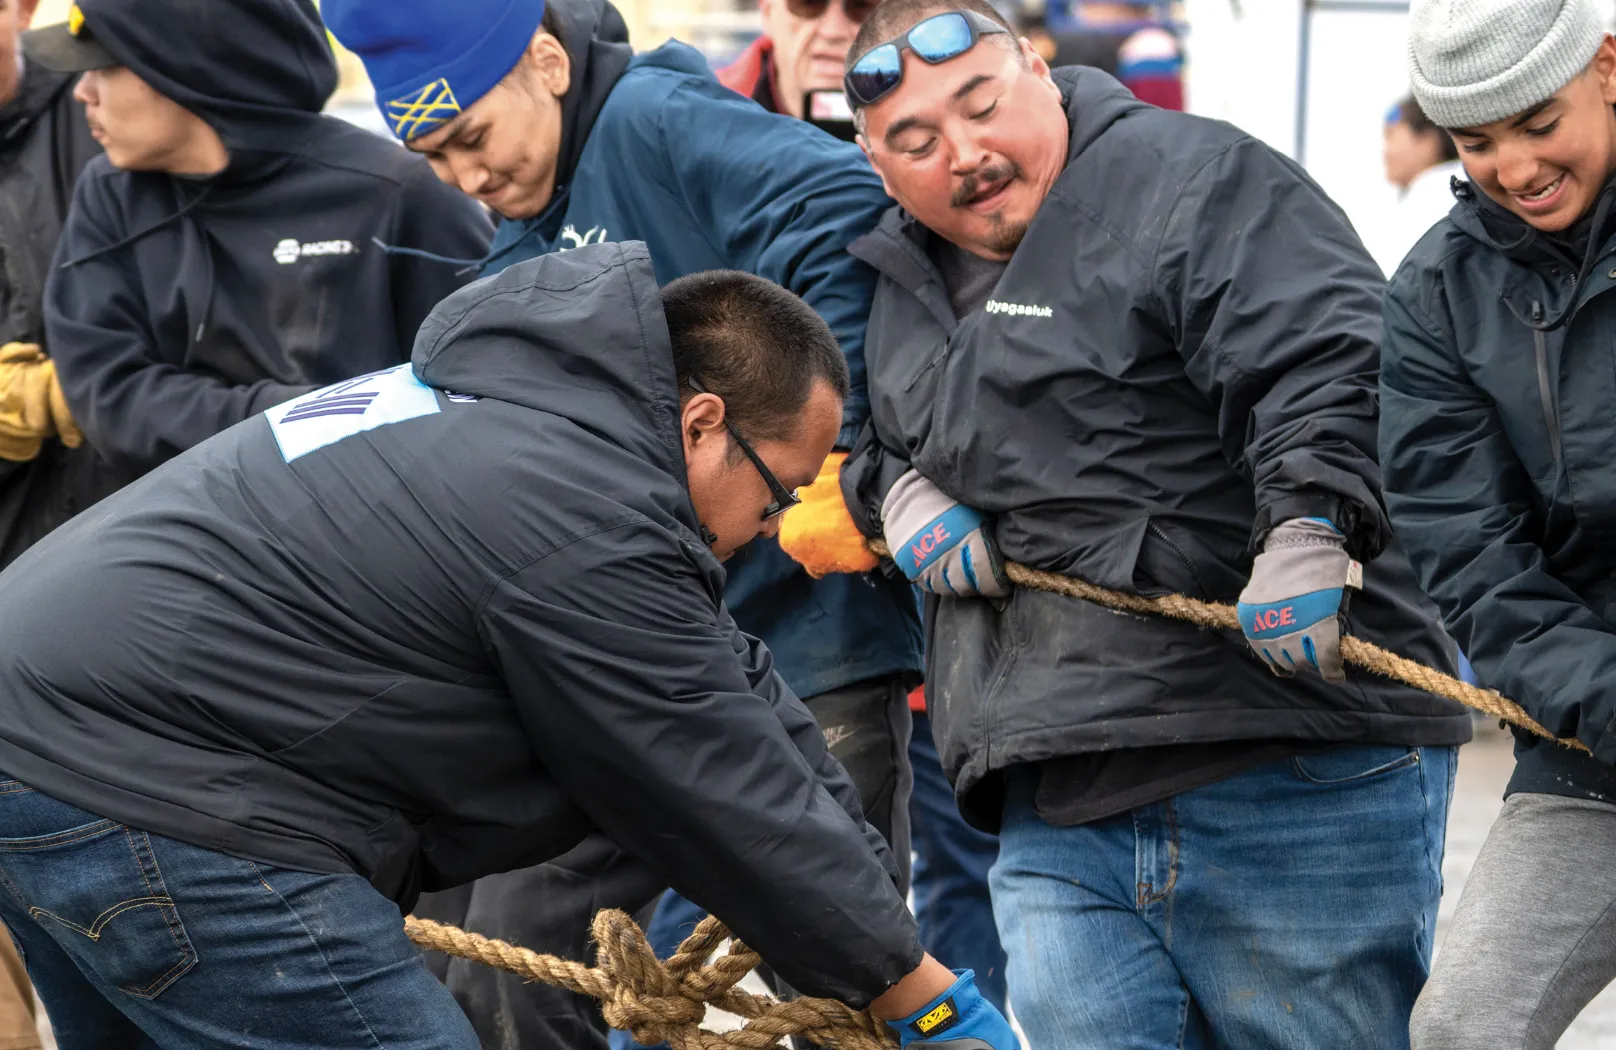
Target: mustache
x: 973, y: 183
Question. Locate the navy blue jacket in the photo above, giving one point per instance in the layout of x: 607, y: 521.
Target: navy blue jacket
x: 709, y: 180
x: 428, y: 636
x: 178, y: 306
x: 1496, y: 437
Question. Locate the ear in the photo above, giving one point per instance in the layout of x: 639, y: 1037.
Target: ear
x: 551, y: 63
x: 1604, y: 67
x: 700, y: 419
x: 1036, y: 63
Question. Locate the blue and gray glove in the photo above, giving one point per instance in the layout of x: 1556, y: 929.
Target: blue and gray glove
x: 941, y: 544
x: 959, y: 1019
x: 1291, y: 610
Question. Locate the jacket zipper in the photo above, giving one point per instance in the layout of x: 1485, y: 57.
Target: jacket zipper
x: 1545, y: 395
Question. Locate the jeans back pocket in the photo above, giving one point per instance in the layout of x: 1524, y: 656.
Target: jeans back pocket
x: 95, y: 887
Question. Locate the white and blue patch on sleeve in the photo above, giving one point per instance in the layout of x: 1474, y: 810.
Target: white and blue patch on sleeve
x: 324, y: 417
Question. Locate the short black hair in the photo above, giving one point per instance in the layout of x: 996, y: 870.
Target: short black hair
x: 754, y: 344
x: 1410, y: 113
x: 892, y: 17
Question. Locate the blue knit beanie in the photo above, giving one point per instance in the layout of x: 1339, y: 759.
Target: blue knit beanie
x: 430, y: 59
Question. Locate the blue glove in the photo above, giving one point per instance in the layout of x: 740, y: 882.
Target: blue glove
x: 959, y: 1019
x: 942, y: 545
x: 1292, y: 608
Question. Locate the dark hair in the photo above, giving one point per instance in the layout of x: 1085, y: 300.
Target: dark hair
x: 1410, y: 113
x: 752, y: 343
x: 892, y: 17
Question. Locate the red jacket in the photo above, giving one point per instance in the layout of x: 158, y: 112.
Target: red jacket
x: 752, y: 74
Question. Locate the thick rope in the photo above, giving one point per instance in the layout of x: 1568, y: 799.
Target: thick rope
x: 1221, y: 617
x: 666, y: 1001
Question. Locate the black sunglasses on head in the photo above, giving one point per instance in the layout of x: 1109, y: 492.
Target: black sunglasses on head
x: 935, y: 39
x: 784, y: 498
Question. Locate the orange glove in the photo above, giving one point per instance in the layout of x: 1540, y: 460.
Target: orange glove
x: 31, y: 404
x: 819, y: 532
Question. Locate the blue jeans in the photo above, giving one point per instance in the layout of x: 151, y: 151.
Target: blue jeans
x: 1290, y: 907
x: 138, y: 941
x: 950, y: 875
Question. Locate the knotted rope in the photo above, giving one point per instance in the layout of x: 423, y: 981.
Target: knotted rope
x: 660, y: 1001
x: 666, y: 1001
x: 1215, y: 615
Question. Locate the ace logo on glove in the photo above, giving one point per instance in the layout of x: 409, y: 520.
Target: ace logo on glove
x: 942, y: 545
x: 929, y: 543
x: 1271, y: 618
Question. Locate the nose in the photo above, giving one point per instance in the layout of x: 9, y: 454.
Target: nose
x: 1519, y: 170
x: 85, y: 90
x: 969, y: 155
x: 835, y: 25
x: 465, y: 172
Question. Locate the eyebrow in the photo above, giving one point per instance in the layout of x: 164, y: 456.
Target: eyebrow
x: 456, y: 127
x: 1530, y: 113
x: 971, y: 85
x: 1534, y: 111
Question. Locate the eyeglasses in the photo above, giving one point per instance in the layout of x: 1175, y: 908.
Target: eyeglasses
x: 784, y: 498
x: 855, y: 10
x: 935, y: 39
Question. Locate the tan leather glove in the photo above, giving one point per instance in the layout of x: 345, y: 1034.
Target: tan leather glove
x: 32, y: 407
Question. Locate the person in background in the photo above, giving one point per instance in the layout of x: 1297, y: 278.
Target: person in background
x: 1075, y: 367
x: 1131, y: 41
x: 44, y: 143
x: 1496, y: 437
x: 1422, y: 162
x: 799, y: 52
x: 226, y: 252
x: 543, y: 112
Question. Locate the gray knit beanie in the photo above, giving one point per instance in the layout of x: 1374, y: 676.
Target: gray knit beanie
x: 1472, y: 62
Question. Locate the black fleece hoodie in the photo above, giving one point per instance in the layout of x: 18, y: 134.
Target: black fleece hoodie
x: 179, y: 305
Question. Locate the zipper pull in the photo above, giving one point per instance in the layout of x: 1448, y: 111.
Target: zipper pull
x: 1537, y: 311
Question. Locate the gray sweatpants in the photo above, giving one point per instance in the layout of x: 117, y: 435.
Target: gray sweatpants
x: 1534, y: 939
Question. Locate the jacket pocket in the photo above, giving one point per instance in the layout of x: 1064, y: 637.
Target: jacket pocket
x: 95, y: 885
x: 1341, y: 765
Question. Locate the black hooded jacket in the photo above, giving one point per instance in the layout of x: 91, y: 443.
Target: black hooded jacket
x: 44, y: 144
x: 178, y: 306
x: 1180, y: 355
x: 431, y: 625
x: 1497, y: 438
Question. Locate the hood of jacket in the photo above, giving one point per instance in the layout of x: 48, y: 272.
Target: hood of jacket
x: 577, y: 334
x: 596, y: 39
x: 1094, y: 101
x: 257, y: 71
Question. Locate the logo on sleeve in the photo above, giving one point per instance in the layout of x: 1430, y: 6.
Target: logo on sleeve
x: 939, y: 1019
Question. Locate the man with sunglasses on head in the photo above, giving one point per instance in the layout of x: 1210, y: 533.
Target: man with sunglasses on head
x: 543, y: 112
x: 1140, y: 348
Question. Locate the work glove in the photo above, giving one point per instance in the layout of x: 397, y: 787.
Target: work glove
x: 1293, y: 608
x: 942, y: 545
x: 819, y: 532
x: 31, y: 404
x: 959, y: 1019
